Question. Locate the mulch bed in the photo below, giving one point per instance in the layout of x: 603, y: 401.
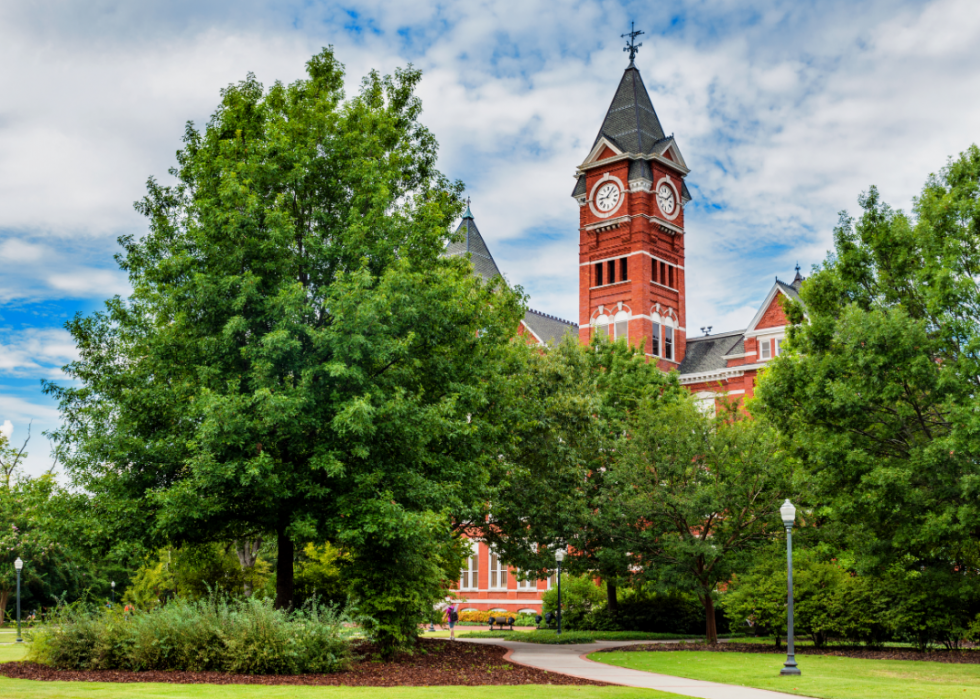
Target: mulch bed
x: 936, y: 656
x: 434, y: 663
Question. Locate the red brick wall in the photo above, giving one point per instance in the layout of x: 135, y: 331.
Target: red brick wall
x: 635, y: 234
x: 774, y: 316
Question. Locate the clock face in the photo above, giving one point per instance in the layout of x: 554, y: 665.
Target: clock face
x: 607, y: 197
x: 665, y: 197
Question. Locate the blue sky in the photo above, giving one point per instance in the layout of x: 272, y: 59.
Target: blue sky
x: 785, y: 111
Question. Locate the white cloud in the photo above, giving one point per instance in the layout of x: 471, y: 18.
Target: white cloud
x: 785, y: 111
x: 36, y: 351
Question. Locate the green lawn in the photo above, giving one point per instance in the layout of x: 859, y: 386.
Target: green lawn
x: 9, y: 653
x: 823, y: 676
x: 26, y: 689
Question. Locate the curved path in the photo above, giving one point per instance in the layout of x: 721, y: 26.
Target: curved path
x: 571, y: 660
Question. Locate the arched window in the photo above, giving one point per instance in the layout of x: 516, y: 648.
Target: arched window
x: 614, y: 327
x: 621, y: 326
x: 655, y: 344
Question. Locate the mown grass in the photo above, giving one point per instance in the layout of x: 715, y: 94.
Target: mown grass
x: 826, y: 677
x: 569, y: 637
x: 11, y: 653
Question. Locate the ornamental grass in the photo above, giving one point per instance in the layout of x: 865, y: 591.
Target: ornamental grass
x: 242, y: 637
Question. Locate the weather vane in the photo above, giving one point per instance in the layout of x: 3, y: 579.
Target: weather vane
x: 631, y: 44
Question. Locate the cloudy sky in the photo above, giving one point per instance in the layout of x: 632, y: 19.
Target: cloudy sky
x: 785, y: 112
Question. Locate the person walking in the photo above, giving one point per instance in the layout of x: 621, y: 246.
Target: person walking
x: 452, y: 616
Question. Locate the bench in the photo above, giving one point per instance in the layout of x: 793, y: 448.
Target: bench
x: 502, y: 622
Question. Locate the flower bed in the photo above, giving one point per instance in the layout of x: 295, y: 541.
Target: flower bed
x: 434, y: 662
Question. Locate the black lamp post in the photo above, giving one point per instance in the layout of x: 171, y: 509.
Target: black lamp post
x: 18, y: 566
x: 113, y: 586
x: 559, y: 556
x: 788, y: 513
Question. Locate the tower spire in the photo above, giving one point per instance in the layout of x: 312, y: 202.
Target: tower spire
x: 468, y: 213
x: 631, y: 44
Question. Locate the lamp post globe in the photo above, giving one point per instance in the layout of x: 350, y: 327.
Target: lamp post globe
x: 788, y: 514
x: 559, y: 556
x: 18, y: 566
x: 112, y: 584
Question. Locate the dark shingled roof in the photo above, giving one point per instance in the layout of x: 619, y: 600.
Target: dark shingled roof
x: 708, y: 353
x: 549, y: 328
x: 472, y: 242
x: 631, y: 122
x: 640, y: 170
x: 790, y: 290
x: 685, y: 192
x: 579, y: 186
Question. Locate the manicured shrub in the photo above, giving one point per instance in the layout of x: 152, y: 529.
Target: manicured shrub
x: 650, y: 611
x: 579, y: 596
x: 249, y: 637
x: 924, y: 607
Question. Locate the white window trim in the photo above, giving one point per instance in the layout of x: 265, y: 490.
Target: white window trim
x: 490, y: 572
x: 469, y: 570
x: 529, y: 585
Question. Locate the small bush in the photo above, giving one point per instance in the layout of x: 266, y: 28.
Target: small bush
x: 652, y: 612
x: 579, y: 596
x: 923, y: 607
x: 248, y: 637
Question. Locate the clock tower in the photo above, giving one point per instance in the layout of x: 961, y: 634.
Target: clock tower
x: 631, y: 194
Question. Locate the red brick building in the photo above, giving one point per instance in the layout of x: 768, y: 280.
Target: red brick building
x: 631, y: 194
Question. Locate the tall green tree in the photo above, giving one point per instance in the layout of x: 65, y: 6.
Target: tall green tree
x: 879, y: 392
x: 36, y: 517
x: 701, y: 494
x: 578, y: 401
x: 296, y: 356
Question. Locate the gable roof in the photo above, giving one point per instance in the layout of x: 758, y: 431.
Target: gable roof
x: 631, y: 121
x: 472, y: 242
x: 777, y: 287
x: 708, y: 353
x: 548, y: 330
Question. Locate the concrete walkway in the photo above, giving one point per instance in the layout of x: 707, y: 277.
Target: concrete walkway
x: 570, y: 660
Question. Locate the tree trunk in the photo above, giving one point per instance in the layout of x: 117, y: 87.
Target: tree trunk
x: 710, y: 627
x: 612, y: 604
x: 284, y: 572
x: 4, y: 596
x: 247, y: 551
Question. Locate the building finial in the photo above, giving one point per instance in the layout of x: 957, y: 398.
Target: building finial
x: 798, y: 279
x: 468, y: 213
x: 631, y: 44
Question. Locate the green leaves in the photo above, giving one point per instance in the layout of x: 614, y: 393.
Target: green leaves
x: 879, y: 391
x: 296, y: 352
x: 700, y: 494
